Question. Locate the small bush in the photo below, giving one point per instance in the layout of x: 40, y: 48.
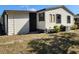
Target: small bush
x: 56, y: 29
x: 74, y: 27
x: 40, y: 46
x: 62, y: 28
x: 72, y: 52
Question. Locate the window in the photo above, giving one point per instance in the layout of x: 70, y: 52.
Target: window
x: 41, y: 16
x: 58, y: 18
x: 68, y: 19
x: 50, y: 17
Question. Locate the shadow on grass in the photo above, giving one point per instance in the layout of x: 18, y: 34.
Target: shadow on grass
x: 56, y: 45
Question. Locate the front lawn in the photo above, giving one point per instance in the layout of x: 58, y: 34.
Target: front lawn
x: 24, y: 44
x: 4, y: 39
x: 18, y: 43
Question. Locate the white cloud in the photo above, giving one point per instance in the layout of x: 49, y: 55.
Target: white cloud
x: 25, y: 7
x: 32, y: 9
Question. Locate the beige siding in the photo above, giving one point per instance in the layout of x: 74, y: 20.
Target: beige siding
x: 64, y: 15
x: 18, y: 23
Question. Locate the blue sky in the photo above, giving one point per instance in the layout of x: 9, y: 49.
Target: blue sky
x: 73, y: 8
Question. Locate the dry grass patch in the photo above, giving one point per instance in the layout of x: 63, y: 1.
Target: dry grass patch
x: 15, y: 48
x: 20, y: 42
x: 4, y: 39
x: 17, y: 43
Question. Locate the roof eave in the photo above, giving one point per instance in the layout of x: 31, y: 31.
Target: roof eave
x: 57, y: 8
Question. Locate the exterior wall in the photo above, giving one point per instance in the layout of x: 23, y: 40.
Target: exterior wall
x: 64, y: 15
x: 40, y: 24
x: 18, y: 23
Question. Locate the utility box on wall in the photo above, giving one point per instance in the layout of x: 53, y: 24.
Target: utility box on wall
x: 68, y: 28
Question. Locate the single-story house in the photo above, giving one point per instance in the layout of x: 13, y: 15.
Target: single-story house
x: 21, y: 22
x: 76, y: 18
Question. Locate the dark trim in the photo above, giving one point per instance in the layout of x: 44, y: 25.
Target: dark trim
x: 4, y: 22
x: 41, y: 10
x: 7, y: 23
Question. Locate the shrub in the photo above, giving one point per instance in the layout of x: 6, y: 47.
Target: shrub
x: 62, y: 28
x: 52, y: 46
x: 40, y: 45
x: 56, y: 29
x: 74, y: 27
x: 72, y: 52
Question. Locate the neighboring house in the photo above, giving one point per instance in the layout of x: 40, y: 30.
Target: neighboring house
x: 48, y: 18
x: 76, y: 18
x: 21, y: 22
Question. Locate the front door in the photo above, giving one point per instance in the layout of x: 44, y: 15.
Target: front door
x: 32, y: 22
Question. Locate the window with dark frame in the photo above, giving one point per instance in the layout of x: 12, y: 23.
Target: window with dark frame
x: 58, y: 18
x: 41, y: 16
x: 68, y: 19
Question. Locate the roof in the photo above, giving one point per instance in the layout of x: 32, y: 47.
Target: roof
x: 5, y: 11
x: 76, y: 16
x: 19, y: 11
x: 56, y: 7
x: 45, y: 9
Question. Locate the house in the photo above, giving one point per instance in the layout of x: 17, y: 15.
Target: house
x: 21, y: 22
x: 50, y: 17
